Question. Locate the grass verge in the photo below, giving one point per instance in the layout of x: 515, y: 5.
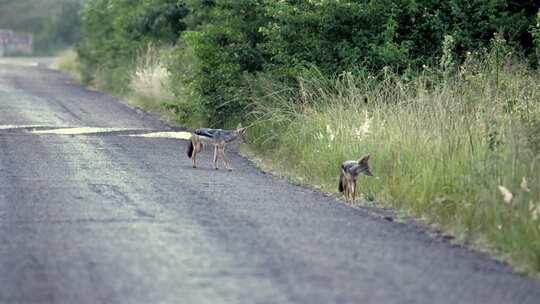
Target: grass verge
x: 462, y: 152
x: 150, y: 86
x: 68, y: 62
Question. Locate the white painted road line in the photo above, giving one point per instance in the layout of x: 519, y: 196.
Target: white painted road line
x: 13, y: 127
x: 19, y: 62
x: 57, y: 130
x: 83, y: 130
x: 174, y: 135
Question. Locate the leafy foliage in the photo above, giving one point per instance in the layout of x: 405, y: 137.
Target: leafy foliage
x: 116, y: 31
x: 224, y: 50
x: 220, y: 44
x: 335, y: 35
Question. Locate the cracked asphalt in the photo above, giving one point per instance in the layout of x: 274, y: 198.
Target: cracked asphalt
x: 110, y: 218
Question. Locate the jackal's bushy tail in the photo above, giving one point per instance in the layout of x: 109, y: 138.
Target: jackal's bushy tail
x: 341, y: 187
x: 190, y: 149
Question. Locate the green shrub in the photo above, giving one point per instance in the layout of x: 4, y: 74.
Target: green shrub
x: 221, y: 51
x: 225, y: 43
x: 116, y: 31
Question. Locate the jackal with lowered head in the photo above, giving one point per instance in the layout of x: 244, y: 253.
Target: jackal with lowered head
x: 217, y: 137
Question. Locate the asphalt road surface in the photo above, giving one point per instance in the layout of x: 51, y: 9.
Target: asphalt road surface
x: 90, y: 213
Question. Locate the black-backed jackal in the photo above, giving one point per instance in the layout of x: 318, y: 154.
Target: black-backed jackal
x: 217, y: 137
x: 350, y: 170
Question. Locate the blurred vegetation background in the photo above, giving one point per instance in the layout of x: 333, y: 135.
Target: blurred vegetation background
x: 55, y: 24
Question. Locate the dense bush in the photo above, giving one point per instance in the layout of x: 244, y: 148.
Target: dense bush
x: 224, y: 49
x: 342, y: 35
x: 229, y: 41
x: 116, y: 31
x: 221, y: 43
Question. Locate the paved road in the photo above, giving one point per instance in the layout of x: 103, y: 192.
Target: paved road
x: 111, y: 218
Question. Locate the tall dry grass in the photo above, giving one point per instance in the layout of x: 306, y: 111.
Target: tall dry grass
x: 150, y: 83
x: 460, y: 150
x: 68, y: 62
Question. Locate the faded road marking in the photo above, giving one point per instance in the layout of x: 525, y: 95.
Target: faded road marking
x: 19, y: 62
x: 84, y: 130
x: 57, y: 130
x: 11, y: 127
x: 175, y: 135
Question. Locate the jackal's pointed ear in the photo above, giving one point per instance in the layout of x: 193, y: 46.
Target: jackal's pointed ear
x: 364, y: 159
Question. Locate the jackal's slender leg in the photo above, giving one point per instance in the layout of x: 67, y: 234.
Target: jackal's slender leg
x: 220, y: 154
x: 347, y: 185
x: 198, y: 148
x: 194, y: 159
x: 225, y: 160
x: 195, y: 144
x: 215, y: 157
x: 354, y: 190
x: 351, y: 189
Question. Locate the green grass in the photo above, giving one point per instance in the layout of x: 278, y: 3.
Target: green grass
x: 439, y: 151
